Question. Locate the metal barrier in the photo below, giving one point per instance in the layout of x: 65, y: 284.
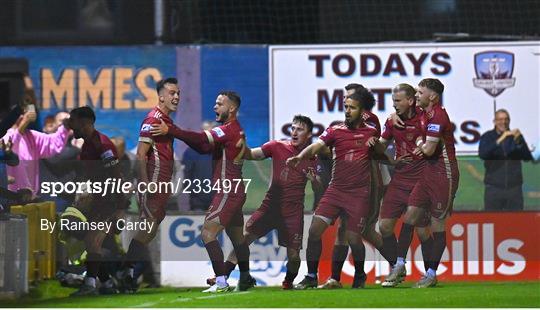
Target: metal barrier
x: 41, y: 243
x: 13, y: 255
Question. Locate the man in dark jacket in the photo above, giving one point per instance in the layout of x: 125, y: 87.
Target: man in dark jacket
x: 503, y: 150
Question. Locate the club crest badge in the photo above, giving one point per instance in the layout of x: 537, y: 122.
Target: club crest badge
x: 494, y: 71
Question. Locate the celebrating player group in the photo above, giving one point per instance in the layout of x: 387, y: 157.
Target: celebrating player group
x: 421, y: 189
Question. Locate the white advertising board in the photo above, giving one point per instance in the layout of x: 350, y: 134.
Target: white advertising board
x: 480, y: 246
x: 310, y: 80
x: 184, y: 261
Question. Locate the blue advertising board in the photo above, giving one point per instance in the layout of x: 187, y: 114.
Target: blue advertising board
x: 117, y: 82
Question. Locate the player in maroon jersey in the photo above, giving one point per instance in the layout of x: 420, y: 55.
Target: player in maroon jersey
x: 341, y: 247
x: 439, y: 181
x: 283, y: 207
x: 408, y: 170
x: 349, y: 189
x: 155, y: 161
x: 99, y: 163
x: 227, y: 144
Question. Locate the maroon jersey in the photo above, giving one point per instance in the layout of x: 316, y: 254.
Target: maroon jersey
x: 99, y: 159
x: 405, y: 142
x: 99, y: 156
x: 372, y: 120
x: 351, y: 167
x: 160, y: 157
x: 437, y: 126
x: 229, y: 141
x: 287, y: 187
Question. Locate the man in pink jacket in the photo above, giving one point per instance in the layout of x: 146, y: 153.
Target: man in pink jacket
x: 31, y: 146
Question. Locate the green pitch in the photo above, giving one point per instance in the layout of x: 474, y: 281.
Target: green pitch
x: 490, y: 294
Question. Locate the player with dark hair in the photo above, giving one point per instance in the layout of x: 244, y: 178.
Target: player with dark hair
x: 438, y: 183
x: 408, y: 170
x: 282, y: 207
x: 227, y: 144
x: 100, y: 162
x: 349, y: 188
x: 341, y: 247
x: 155, y: 162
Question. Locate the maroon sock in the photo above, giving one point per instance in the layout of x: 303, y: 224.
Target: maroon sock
x: 313, y: 254
x: 292, y: 270
x: 339, y: 255
x: 103, y: 273
x: 389, y: 249
x: 229, y: 267
x: 289, y: 276
x: 216, y: 257
x: 359, y: 256
x: 439, y: 243
x: 242, y: 253
x: 92, y: 264
x: 405, y: 238
x: 427, y: 247
x: 136, y: 253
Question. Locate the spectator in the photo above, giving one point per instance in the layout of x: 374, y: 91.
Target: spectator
x: 7, y: 157
x: 198, y: 167
x: 503, y: 150
x: 536, y: 153
x: 30, y: 146
x: 49, y: 124
x: 61, y: 167
x: 9, y: 118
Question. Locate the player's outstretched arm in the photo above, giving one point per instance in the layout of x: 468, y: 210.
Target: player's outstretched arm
x: 199, y: 141
x: 254, y: 154
x: 310, y: 151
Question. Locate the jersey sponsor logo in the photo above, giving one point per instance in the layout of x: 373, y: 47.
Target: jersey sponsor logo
x: 219, y: 132
x: 433, y: 127
x: 146, y: 127
x: 107, y: 154
x: 111, y: 163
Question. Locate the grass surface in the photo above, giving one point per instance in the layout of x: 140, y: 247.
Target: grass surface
x: 491, y: 294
